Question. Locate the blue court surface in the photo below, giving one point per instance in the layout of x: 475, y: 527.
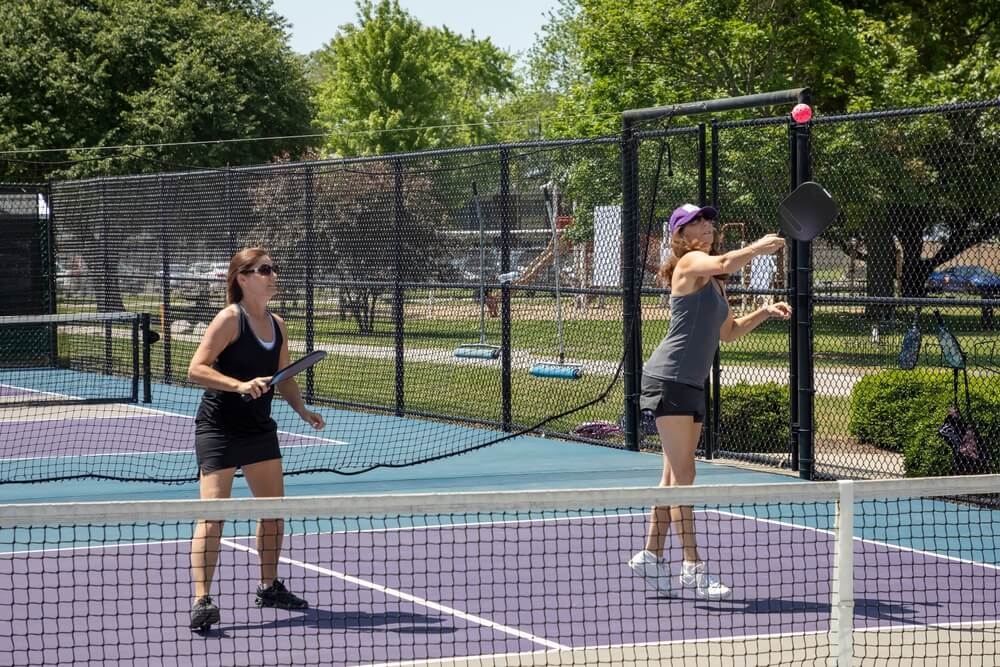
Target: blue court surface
x: 523, y: 463
x: 161, y: 434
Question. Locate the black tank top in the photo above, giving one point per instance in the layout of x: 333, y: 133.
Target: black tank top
x: 244, y: 359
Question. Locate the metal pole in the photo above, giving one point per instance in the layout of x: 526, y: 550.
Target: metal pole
x: 136, y: 332
x: 165, y: 307
x: 551, y: 209
x: 631, y: 320
x: 310, y: 277
x: 791, y: 287
x: 397, y: 300
x: 706, y: 106
x: 506, y: 386
x: 803, y: 318
x: 714, y: 405
x: 482, y: 264
x: 147, y: 379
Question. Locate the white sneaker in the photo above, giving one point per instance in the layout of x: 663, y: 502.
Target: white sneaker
x: 654, y: 571
x: 708, y: 586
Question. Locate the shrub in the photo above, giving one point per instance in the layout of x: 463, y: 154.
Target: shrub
x: 885, y: 405
x: 754, y: 418
x: 903, y: 411
x: 926, y: 454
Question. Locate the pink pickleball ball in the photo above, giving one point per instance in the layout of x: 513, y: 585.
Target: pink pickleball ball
x: 802, y: 113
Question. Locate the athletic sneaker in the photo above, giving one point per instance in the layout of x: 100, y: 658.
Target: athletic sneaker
x: 277, y: 596
x: 204, y: 613
x: 655, y: 571
x: 708, y: 586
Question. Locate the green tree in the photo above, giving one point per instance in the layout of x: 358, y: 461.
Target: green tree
x: 389, y: 84
x: 356, y: 217
x: 901, y: 182
x: 130, y: 72
x: 606, y: 56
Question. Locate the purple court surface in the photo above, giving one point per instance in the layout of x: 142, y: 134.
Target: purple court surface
x: 144, y: 434
x: 412, y: 593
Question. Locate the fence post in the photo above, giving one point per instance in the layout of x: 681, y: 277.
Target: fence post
x: 506, y: 386
x: 164, y: 285
x: 397, y: 291
x: 310, y: 276
x: 713, y: 394
x: 802, y: 312
x: 631, y: 291
x: 791, y: 289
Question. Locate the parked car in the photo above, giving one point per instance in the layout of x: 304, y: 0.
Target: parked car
x: 69, y: 280
x: 176, y: 271
x: 965, y: 280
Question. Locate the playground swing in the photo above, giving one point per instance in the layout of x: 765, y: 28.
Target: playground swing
x: 482, y: 349
x: 559, y: 369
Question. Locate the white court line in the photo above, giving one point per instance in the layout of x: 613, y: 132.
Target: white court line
x: 392, y: 592
x: 475, y: 524
x: 150, y: 413
x: 31, y: 392
x: 863, y: 540
x: 966, y: 625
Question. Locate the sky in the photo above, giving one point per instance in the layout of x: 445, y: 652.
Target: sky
x: 510, y: 24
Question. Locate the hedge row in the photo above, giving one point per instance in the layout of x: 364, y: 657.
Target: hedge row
x: 754, y: 418
x: 902, y: 411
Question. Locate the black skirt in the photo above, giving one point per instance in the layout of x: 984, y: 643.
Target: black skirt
x: 218, y: 449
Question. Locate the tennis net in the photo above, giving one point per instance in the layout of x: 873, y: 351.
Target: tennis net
x: 888, y: 572
x: 74, y: 358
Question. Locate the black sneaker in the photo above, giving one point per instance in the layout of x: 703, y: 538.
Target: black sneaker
x: 204, y: 613
x: 277, y: 596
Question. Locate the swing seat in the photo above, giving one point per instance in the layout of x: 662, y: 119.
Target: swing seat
x: 559, y: 371
x: 477, y: 351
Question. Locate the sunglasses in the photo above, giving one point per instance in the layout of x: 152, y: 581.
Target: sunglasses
x: 263, y: 269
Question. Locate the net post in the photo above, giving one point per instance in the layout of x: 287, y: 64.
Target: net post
x: 842, y: 579
x: 147, y: 379
x: 136, y: 332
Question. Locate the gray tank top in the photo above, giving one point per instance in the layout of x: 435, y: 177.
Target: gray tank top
x: 685, y: 354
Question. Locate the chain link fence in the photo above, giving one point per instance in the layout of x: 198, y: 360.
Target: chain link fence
x: 484, y: 286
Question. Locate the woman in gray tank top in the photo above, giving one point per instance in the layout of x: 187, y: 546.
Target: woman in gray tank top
x: 674, y: 378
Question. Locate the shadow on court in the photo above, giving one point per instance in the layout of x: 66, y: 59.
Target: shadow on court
x: 324, y: 619
x: 867, y: 608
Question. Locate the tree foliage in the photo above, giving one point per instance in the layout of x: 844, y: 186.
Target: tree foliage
x: 604, y: 56
x: 128, y: 72
x: 363, y: 227
x: 901, y: 182
x: 389, y: 73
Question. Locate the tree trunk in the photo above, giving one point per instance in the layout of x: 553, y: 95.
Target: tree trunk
x: 914, y: 269
x: 881, y: 261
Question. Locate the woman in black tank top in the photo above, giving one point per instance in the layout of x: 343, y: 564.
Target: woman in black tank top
x: 244, y: 345
x: 673, y: 379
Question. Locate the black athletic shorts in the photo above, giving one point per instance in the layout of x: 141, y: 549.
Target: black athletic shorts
x: 218, y: 449
x: 666, y: 397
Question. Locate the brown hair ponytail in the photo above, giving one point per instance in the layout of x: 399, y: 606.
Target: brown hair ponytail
x: 241, y: 261
x: 680, y: 246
